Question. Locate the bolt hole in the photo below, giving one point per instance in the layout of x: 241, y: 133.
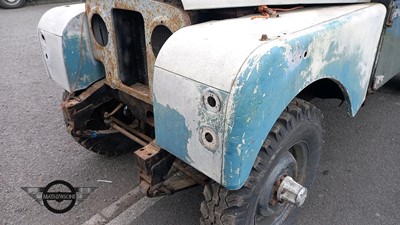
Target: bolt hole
x: 211, y: 101
x: 150, y: 117
x: 305, y: 54
x: 149, y: 154
x: 209, y: 138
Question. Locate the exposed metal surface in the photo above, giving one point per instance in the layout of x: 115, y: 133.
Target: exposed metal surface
x: 78, y: 110
x: 303, y: 46
x: 154, y: 13
x: 132, y: 130
x: 291, y: 191
x: 387, y: 63
x: 211, y: 4
x: 161, y: 173
x: 186, y: 115
x: 148, y: 156
x: 66, y: 46
x: 126, y: 133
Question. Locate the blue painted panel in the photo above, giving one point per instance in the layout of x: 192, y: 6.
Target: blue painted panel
x: 170, y: 125
x: 388, y: 64
x: 81, y: 68
x: 276, y: 72
x: 181, y: 118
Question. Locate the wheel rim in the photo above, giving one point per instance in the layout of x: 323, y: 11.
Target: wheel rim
x: 12, y: 2
x: 291, y: 163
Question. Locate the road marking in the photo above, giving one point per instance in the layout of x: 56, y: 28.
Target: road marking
x: 125, y: 210
x: 135, y: 211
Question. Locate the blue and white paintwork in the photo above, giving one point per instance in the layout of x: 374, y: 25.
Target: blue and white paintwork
x: 66, y: 47
x: 387, y: 65
x: 256, y: 79
x: 212, y: 4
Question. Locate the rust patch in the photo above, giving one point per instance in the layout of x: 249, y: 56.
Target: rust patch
x: 154, y: 13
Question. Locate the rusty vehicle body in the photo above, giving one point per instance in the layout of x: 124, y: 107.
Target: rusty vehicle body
x: 215, y: 92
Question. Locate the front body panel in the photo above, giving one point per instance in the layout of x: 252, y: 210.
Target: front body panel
x: 67, y: 48
x: 130, y: 25
x: 260, y: 76
x: 388, y: 64
x: 212, y: 4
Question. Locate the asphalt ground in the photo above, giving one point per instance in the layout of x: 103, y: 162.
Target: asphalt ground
x: 358, y: 180
x: 35, y: 147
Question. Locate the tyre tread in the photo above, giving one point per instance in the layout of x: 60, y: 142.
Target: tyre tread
x: 224, y: 207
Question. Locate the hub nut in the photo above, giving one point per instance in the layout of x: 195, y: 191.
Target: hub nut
x: 291, y: 191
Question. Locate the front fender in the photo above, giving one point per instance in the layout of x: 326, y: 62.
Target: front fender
x: 256, y: 79
x: 342, y: 50
x: 67, y: 48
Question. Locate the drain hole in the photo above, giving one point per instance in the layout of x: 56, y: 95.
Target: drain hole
x: 209, y: 138
x: 211, y: 101
x: 43, y: 37
x: 305, y: 54
x: 46, y: 56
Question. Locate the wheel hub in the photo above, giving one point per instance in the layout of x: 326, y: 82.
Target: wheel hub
x: 291, y: 191
x: 281, y: 193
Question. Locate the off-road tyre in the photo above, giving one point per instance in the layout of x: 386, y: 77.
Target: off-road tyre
x: 9, y: 4
x: 300, y: 121
x: 110, y: 145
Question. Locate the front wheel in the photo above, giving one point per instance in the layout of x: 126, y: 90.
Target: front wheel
x: 12, y: 4
x: 113, y: 144
x: 291, y: 151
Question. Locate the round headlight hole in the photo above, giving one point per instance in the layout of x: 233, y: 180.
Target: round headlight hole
x: 159, y: 36
x: 99, y: 29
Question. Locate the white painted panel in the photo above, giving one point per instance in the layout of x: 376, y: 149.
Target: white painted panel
x: 53, y: 57
x: 212, y: 4
x: 228, y: 43
x: 56, y: 19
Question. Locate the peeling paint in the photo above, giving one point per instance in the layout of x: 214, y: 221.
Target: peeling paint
x: 66, y: 47
x: 378, y: 80
x: 81, y: 67
x: 154, y: 13
x: 261, y: 77
x: 387, y: 63
x: 332, y: 52
x: 177, y: 127
x: 189, y: 104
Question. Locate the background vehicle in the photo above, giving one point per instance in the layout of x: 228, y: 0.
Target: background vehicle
x: 12, y: 4
x: 211, y: 90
